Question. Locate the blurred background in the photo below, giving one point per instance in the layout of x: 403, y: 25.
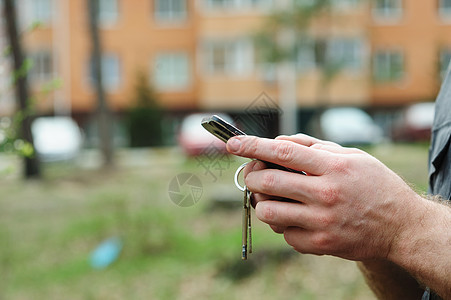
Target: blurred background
x: 111, y: 189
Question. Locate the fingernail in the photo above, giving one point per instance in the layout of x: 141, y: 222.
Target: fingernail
x: 234, y: 144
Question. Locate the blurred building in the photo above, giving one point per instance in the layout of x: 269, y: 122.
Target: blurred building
x: 200, y: 54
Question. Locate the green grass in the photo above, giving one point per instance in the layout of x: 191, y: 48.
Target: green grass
x: 48, y: 229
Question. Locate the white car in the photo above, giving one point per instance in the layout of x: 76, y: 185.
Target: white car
x: 349, y: 125
x: 56, y: 138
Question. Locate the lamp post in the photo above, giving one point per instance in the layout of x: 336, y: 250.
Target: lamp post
x: 286, y: 76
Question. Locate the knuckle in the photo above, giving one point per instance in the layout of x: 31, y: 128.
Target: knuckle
x: 326, y: 220
x: 339, y: 165
x: 254, y: 145
x: 285, y: 151
x: 322, y: 242
x: 268, y: 182
x: 328, y: 195
x: 267, y: 213
x: 250, y: 146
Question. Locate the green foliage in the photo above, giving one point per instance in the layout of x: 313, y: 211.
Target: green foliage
x: 26, y: 66
x: 9, y: 137
x: 51, y: 85
x: 144, y: 119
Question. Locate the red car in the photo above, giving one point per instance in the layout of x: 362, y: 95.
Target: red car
x: 415, y: 123
x: 195, y: 140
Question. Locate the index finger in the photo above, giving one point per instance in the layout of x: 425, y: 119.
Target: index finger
x: 281, y: 152
x: 305, y: 140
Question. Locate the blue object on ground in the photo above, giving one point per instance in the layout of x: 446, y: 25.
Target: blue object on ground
x: 106, y: 253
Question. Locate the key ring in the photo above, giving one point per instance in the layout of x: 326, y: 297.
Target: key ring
x: 237, y: 174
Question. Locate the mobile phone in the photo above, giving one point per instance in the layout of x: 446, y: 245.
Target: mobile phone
x: 220, y: 128
x: 224, y: 131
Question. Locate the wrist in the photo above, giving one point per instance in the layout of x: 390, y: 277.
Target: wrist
x: 415, y: 232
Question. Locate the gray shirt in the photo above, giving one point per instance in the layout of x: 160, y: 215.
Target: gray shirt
x: 440, y: 150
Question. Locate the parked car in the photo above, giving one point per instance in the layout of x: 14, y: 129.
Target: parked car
x: 415, y: 123
x: 195, y: 140
x: 347, y: 126
x: 56, y: 138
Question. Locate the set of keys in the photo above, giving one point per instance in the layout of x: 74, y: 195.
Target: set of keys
x: 246, y: 229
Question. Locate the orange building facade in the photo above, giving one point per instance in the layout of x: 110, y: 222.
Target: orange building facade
x: 415, y: 38
x: 200, y: 54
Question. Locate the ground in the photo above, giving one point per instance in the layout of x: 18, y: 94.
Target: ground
x: 49, y: 228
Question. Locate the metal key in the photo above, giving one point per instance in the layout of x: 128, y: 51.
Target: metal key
x: 246, y: 225
x: 249, y: 224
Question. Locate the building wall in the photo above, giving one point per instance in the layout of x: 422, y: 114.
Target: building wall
x: 419, y: 34
x: 233, y: 89
x: 136, y: 39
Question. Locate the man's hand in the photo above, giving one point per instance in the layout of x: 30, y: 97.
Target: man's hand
x: 349, y: 205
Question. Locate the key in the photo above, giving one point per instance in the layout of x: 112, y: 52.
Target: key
x: 249, y: 224
x: 246, y: 229
x: 246, y: 226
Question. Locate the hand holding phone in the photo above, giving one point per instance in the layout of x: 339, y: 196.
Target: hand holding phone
x: 224, y: 131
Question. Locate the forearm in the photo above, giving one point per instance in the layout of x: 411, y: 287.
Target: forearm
x: 424, y: 248
x: 388, y: 281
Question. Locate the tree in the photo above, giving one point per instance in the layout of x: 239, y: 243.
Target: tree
x: 31, y: 162
x: 285, y: 33
x: 144, y: 119
x: 103, y: 112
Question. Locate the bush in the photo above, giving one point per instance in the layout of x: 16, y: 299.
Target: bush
x: 144, y: 119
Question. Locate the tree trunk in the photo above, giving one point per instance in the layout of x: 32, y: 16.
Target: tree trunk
x: 31, y: 163
x: 103, y: 113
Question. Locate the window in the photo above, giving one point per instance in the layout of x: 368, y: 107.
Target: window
x: 346, y: 53
x: 7, y: 103
x: 343, y: 53
x: 388, y: 65
x: 229, y: 57
x: 387, y: 10
x: 42, y: 65
x: 108, y: 12
x: 219, y: 57
x: 304, y: 3
x: 259, y: 3
x: 221, y: 4
x: 445, y: 8
x: 445, y: 60
x: 171, y: 71
x: 42, y: 11
x: 30, y: 12
x: 236, y: 4
x: 306, y: 58
x: 335, y: 4
x: 170, y: 10
x: 110, y: 68
x: 345, y: 5
x: 312, y: 53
